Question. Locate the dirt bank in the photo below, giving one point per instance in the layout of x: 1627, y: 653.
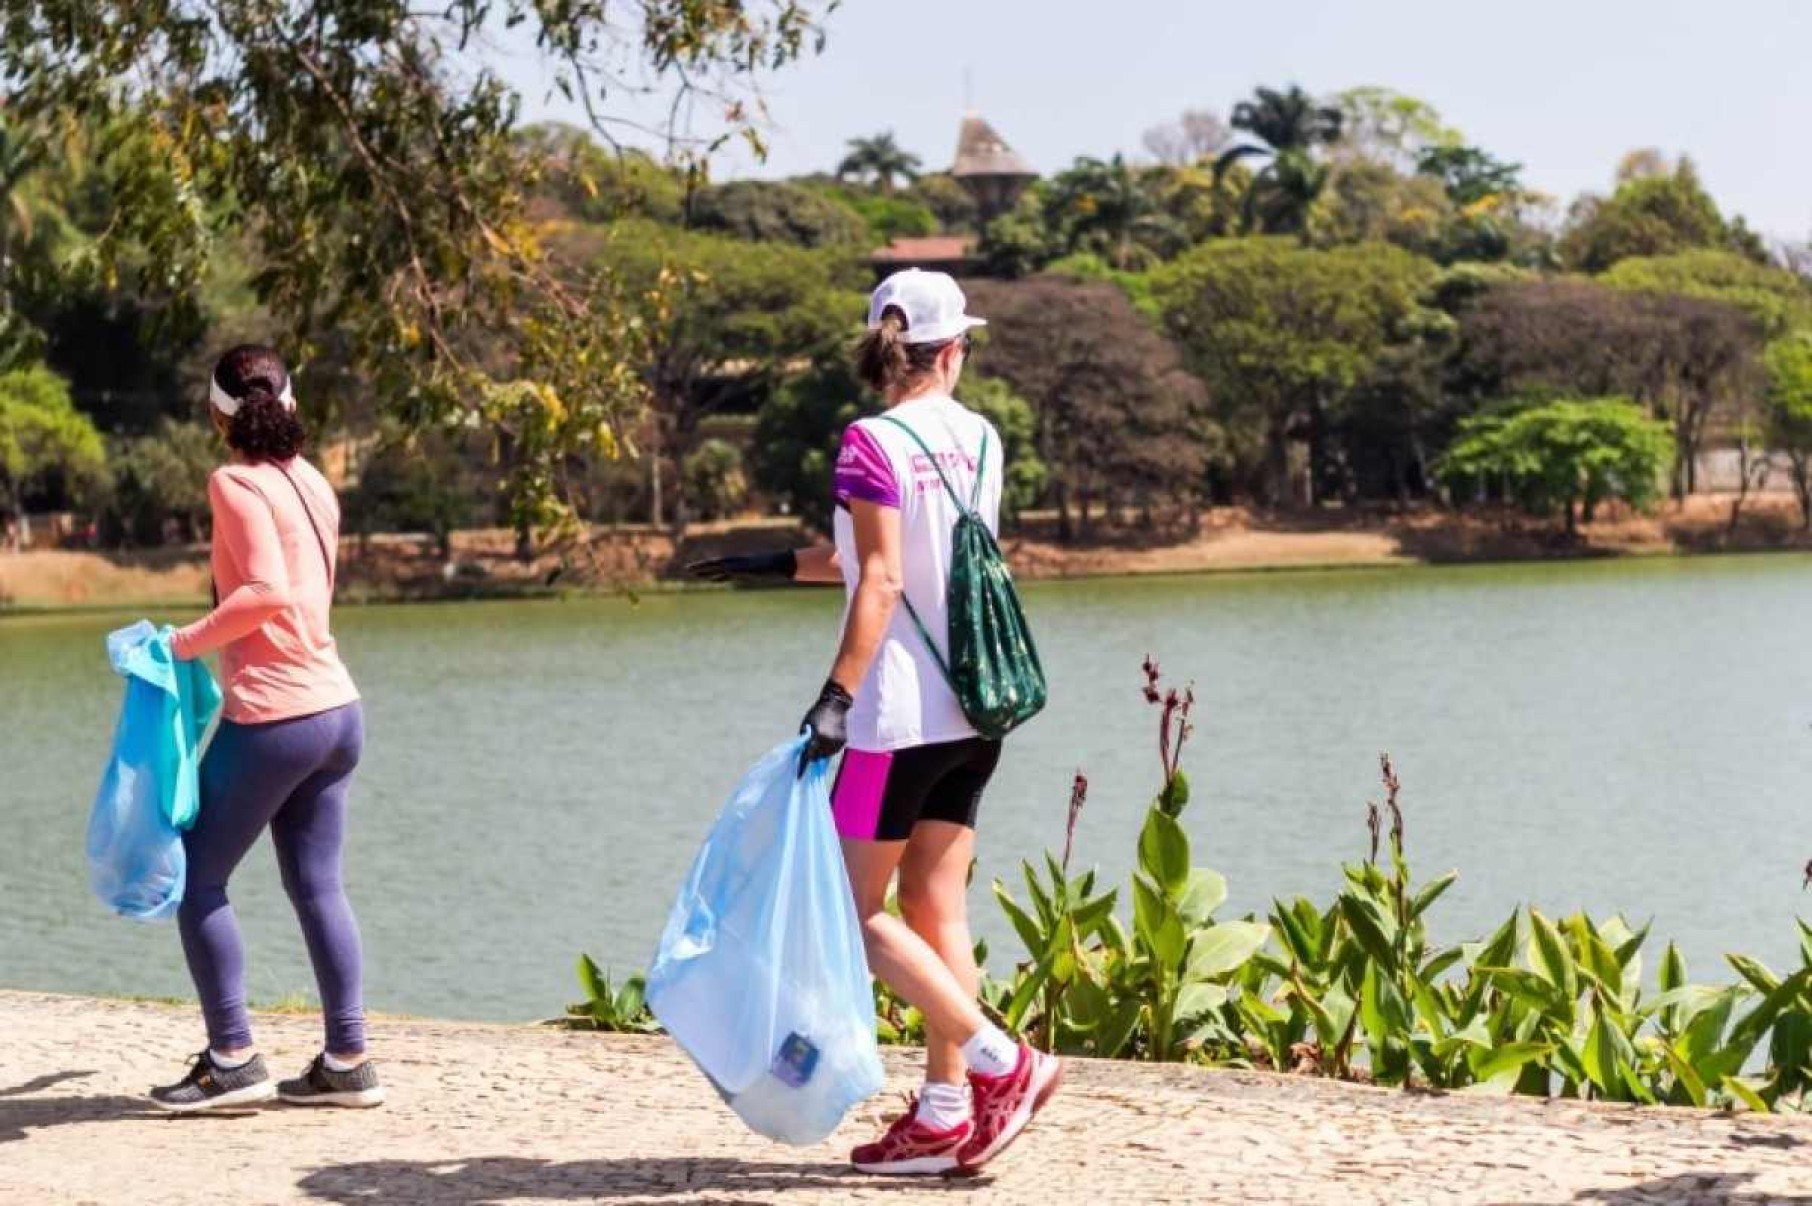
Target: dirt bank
x: 484, y: 563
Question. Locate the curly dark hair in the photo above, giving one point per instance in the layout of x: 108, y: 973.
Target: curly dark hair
x: 263, y: 429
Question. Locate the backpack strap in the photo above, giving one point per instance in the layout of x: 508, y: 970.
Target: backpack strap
x: 935, y: 464
x: 981, y: 469
x: 937, y: 655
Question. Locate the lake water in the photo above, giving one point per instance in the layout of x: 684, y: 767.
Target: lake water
x: 1622, y: 737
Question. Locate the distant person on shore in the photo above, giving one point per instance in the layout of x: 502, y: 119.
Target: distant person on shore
x: 911, y: 783
x: 289, y: 740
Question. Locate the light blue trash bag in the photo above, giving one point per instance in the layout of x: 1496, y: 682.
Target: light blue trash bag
x: 150, y: 790
x: 760, y: 974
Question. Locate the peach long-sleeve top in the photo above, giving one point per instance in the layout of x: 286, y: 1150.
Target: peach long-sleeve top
x: 274, y: 581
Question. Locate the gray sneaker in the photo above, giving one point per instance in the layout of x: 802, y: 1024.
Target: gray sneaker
x: 322, y: 1086
x: 208, y: 1086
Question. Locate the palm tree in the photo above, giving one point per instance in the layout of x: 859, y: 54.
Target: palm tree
x: 1102, y: 206
x: 880, y: 159
x: 1286, y: 128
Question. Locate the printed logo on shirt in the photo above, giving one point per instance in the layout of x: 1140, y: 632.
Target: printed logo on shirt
x: 925, y: 474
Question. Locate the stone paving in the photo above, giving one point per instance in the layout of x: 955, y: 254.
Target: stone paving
x: 486, y: 1114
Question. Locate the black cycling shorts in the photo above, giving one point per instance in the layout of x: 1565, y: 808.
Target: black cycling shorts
x: 880, y: 796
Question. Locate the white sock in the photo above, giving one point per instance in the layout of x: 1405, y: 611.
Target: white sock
x: 335, y: 1065
x: 944, y: 1107
x: 227, y: 1065
x: 991, y: 1052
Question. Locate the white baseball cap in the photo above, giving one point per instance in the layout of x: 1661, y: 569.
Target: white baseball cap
x: 931, y: 301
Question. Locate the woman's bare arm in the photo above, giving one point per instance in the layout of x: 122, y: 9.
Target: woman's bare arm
x: 877, y: 591
x: 818, y: 566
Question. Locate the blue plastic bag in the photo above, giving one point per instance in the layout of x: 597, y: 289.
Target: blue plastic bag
x: 150, y: 791
x: 760, y: 974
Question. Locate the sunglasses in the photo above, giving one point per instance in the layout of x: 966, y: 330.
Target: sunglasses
x: 967, y: 343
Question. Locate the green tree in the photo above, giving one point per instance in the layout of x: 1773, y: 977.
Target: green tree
x: 950, y: 203
x: 768, y: 211
x: 1019, y: 242
x: 1650, y: 214
x: 726, y: 322
x: 367, y: 152
x: 798, y: 434
x: 1789, y: 411
x: 1199, y: 203
x: 22, y: 151
x: 160, y: 482
x: 1287, y: 129
x: 1017, y: 424
x: 1778, y: 300
x: 1366, y: 200
x: 879, y: 159
x: 801, y: 428
x: 1468, y: 173
x: 1565, y: 455
x: 1102, y: 207
x: 888, y: 216
x: 715, y: 483
x: 45, y: 444
x: 427, y: 482
x: 1284, y: 334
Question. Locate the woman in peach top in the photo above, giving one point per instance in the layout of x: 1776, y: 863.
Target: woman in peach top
x: 284, y: 756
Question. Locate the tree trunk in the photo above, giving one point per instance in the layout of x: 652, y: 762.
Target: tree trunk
x: 1065, y: 531
x: 1802, y: 486
x: 656, y: 511
x: 1572, y: 521
x: 1277, y: 460
x: 22, y: 526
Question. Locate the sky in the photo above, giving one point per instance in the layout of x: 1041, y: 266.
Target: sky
x: 1564, y: 88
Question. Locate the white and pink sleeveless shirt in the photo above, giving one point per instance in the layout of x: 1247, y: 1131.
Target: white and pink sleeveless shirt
x: 905, y: 701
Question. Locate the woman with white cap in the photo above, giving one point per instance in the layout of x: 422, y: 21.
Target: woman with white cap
x: 911, y: 782
x: 290, y: 737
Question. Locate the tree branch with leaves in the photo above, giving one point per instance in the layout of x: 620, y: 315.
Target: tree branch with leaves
x: 365, y: 149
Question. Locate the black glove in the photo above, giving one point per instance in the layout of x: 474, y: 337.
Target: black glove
x: 826, y: 725
x: 747, y: 567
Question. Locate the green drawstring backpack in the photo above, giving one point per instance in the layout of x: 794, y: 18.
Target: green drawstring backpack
x: 993, y: 665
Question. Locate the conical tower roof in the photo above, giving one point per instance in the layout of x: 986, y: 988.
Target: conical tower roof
x: 982, y: 152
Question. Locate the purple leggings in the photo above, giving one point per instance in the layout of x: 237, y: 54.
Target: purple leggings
x: 292, y: 775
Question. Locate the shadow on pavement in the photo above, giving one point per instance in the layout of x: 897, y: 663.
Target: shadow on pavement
x: 20, y: 1112
x: 1709, y: 1189
x: 496, y: 1180
x: 42, y: 1083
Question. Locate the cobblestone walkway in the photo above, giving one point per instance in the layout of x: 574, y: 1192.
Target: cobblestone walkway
x: 484, y: 1114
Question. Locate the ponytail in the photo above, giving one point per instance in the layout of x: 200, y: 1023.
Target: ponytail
x: 265, y: 429
x: 885, y: 362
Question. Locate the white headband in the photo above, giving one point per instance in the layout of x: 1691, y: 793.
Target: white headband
x: 228, y: 405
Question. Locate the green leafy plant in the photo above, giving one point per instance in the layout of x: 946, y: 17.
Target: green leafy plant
x: 620, y: 1010
x: 1155, y: 989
